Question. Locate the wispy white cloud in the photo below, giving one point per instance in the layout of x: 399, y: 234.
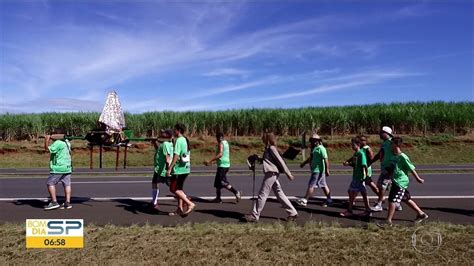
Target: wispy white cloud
x: 52, y: 104
x: 256, y: 83
x: 89, y: 59
x: 227, y: 72
x: 359, y: 80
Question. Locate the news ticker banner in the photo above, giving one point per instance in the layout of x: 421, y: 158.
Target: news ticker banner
x: 54, y: 233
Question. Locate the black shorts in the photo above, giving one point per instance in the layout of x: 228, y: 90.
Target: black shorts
x: 177, y: 182
x: 221, y: 178
x: 160, y: 179
x: 398, y: 194
x: 368, y: 180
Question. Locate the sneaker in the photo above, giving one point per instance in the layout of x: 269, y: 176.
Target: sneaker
x: 327, y: 203
x: 420, y: 218
x: 384, y: 224
x: 377, y: 208
x: 302, y: 202
x: 250, y: 219
x: 238, y: 196
x: 292, y: 218
x: 51, y: 206
x: 346, y: 214
x: 398, y: 207
x: 66, y: 206
x: 176, y: 213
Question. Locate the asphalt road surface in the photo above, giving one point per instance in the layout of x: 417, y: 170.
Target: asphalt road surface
x: 123, y: 199
x: 237, y: 169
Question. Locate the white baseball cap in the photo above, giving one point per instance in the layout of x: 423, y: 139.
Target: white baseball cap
x: 315, y: 137
x: 387, y: 130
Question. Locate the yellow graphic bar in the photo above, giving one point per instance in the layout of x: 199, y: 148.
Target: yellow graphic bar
x: 54, y: 242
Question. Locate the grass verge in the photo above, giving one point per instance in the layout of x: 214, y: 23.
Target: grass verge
x: 215, y: 243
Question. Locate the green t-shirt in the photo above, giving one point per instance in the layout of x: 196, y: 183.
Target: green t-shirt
x: 387, y: 153
x: 60, y: 159
x: 318, y: 155
x: 360, y: 162
x: 366, y: 151
x: 402, y: 167
x: 181, y: 149
x: 224, y: 161
x: 165, y: 148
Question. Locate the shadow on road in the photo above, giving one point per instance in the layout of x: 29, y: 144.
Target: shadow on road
x: 135, y: 207
x: 223, y: 214
x: 39, y: 204
x: 469, y: 213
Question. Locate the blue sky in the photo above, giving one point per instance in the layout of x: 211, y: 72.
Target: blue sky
x: 198, y: 55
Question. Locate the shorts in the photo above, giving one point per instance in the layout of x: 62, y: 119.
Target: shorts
x: 221, y: 178
x: 54, y: 179
x: 160, y: 179
x: 384, y: 180
x: 368, y: 180
x: 317, y: 180
x: 357, y: 186
x: 398, y: 194
x: 177, y: 182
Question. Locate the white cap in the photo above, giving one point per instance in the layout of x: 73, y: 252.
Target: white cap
x: 387, y: 130
x: 315, y: 137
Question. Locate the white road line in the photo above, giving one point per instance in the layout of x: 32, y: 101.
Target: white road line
x: 111, y: 182
x: 227, y: 198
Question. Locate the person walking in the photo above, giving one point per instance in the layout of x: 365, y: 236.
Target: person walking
x: 60, y: 169
x: 273, y: 165
x: 222, y: 159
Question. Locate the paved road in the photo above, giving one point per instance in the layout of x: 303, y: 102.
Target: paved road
x: 122, y: 200
x: 458, y: 184
x: 203, y: 169
x: 131, y: 211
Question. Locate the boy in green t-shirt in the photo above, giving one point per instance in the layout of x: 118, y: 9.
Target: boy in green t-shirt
x: 162, y: 161
x: 319, y: 171
x: 359, y: 174
x: 400, y: 167
x: 60, y: 169
x: 369, y: 154
x: 384, y: 155
x: 179, y: 170
x: 222, y: 158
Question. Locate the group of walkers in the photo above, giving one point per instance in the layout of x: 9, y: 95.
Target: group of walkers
x: 173, y: 164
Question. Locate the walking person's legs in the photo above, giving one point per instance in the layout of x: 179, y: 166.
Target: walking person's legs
x: 183, y: 198
x: 267, y: 184
x: 312, y: 184
x: 53, y: 179
x: 285, y: 202
x: 52, y: 193
x: 66, y: 181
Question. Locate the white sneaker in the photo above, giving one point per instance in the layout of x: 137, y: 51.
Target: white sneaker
x: 302, y: 202
x: 377, y: 208
x: 398, y: 207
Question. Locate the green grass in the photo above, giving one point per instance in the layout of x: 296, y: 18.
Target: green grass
x: 259, y: 244
x: 406, y: 118
x: 438, y: 149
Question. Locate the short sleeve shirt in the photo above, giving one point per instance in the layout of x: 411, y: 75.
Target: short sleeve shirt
x: 165, y: 148
x: 318, y: 154
x: 181, y: 149
x: 360, y: 162
x: 60, y: 158
x: 402, y: 167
